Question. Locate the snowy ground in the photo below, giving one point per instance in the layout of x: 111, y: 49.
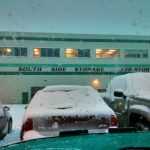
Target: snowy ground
x: 17, y: 112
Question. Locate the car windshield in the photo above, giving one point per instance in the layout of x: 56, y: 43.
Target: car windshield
x: 75, y: 67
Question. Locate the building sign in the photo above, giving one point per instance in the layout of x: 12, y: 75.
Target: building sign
x: 30, y: 68
x: 73, y: 69
x: 88, y: 69
x: 59, y: 69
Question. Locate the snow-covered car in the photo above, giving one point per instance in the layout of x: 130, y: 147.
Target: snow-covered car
x: 5, y: 121
x: 65, y: 108
x: 129, y: 96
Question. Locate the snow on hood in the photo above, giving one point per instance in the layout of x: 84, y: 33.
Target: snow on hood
x: 67, y: 101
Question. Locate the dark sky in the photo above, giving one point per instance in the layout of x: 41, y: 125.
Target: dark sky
x: 76, y: 16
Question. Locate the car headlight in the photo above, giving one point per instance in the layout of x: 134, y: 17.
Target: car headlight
x: 119, y: 105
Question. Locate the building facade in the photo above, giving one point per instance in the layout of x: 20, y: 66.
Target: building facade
x: 31, y: 61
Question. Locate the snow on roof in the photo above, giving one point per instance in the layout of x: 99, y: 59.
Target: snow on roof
x: 67, y: 101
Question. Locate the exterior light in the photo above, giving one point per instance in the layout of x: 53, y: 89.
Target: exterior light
x: 96, y: 84
x: 8, y: 50
x: 36, y: 52
x: 36, y: 49
x: 99, y: 53
x: 106, y: 53
x: 112, y: 50
x: 99, y: 50
x: 71, y: 52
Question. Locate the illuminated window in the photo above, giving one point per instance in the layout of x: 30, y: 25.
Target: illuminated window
x: 13, y: 51
x: 107, y: 53
x: 46, y: 52
x: 71, y: 52
x: 36, y: 52
x: 7, y: 51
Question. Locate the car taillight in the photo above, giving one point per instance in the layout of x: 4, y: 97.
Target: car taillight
x: 28, y: 125
x: 114, y: 121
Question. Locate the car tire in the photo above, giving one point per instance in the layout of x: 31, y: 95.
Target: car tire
x: 10, y: 126
x: 141, y: 126
x: 2, y: 135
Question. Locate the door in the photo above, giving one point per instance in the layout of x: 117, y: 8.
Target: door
x: 25, y: 97
x: 35, y: 89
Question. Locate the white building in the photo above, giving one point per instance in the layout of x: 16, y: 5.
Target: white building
x: 30, y: 61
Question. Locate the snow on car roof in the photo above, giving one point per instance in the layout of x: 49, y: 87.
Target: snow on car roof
x: 134, y: 76
x: 139, y: 82
x: 138, y: 74
x: 67, y: 87
x: 67, y: 100
x: 136, y: 82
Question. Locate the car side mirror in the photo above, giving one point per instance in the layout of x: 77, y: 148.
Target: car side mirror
x: 6, y: 108
x: 118, y: 94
